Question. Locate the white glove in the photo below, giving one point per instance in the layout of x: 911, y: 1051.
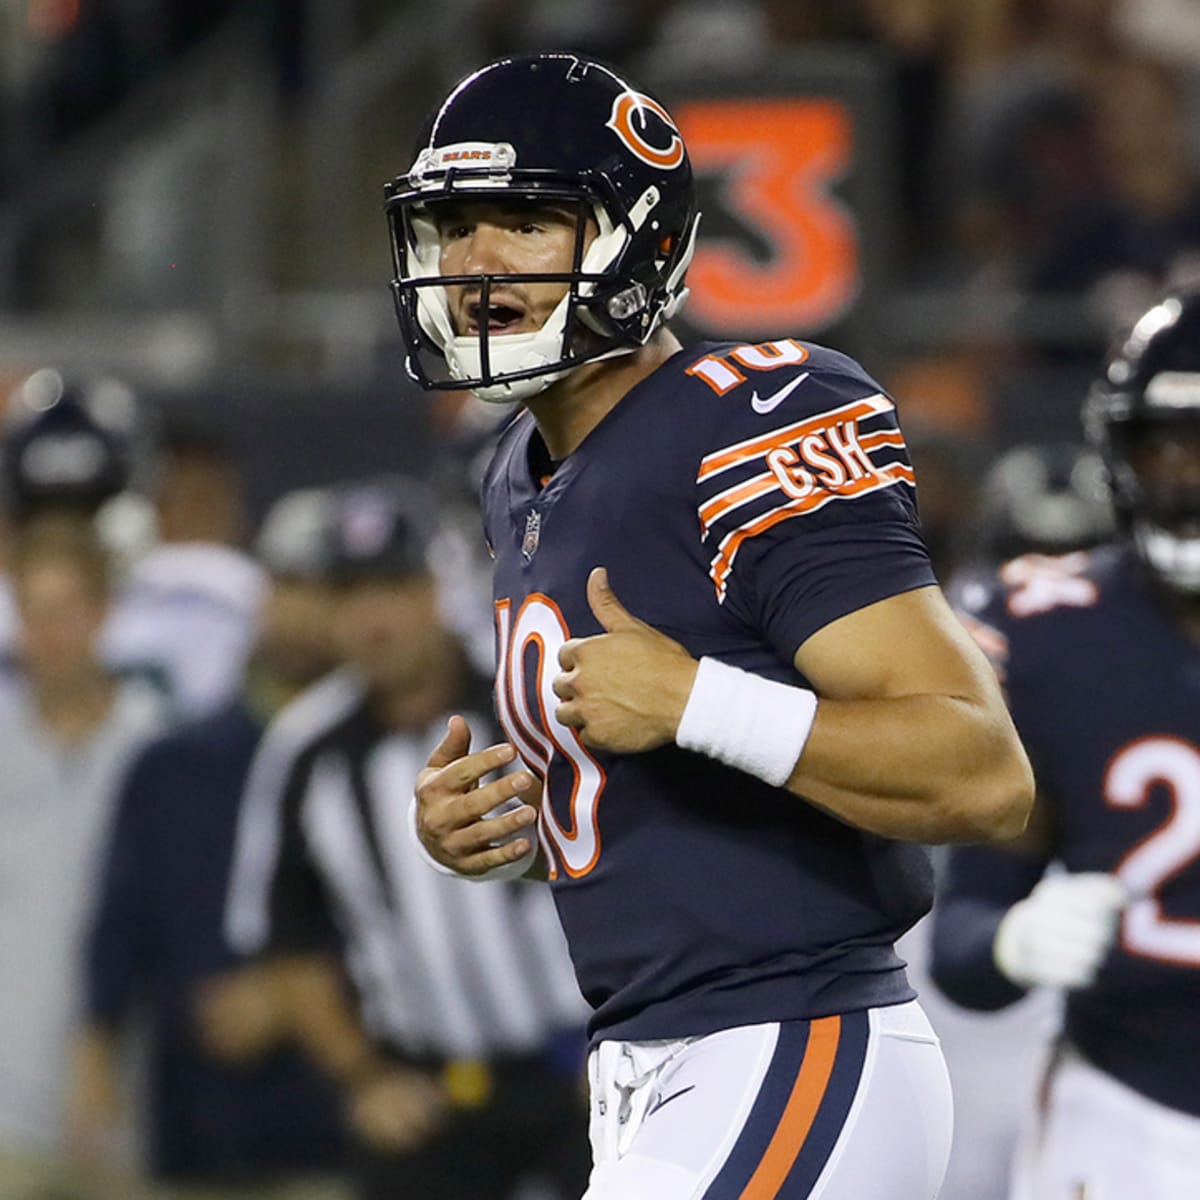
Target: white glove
x: 1059, y: 934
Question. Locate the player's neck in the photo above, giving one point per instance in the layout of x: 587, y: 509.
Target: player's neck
x: 567, y: 411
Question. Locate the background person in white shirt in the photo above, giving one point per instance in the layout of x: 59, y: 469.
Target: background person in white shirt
x: 66, y: 736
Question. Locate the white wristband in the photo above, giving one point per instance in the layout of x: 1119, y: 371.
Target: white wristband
x: 510, y: 870
x: 745, y: 721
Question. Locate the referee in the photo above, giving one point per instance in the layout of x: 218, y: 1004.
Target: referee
x: 448, y: 1012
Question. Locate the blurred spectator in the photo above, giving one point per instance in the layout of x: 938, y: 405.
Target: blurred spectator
x: 1070, y: 152
x: 76, y: 445
x: 93, y: 53
x: 66, y: 736
x: 188, y: 606
x: 268, y: 1130
x: 170, y: 504
x: 73, y: 443
x: 461, y: 1061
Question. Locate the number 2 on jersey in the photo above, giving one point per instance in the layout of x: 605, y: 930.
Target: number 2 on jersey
x: 526, y: 666
x: 1171, y: 849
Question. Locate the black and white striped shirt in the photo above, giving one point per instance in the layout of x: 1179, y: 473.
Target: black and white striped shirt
x: 443, y: 966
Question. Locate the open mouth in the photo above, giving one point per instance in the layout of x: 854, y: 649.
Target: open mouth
x: 501, y: 317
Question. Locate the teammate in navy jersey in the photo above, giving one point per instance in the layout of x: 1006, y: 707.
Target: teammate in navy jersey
x: 1100, y: 653
x: 729, y: 785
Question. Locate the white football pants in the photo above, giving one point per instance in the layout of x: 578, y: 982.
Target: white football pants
x: 850, y: 1107
x: 1099, y: 1140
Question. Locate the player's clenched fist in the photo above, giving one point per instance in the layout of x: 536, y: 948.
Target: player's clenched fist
x: 469, y: 826
x: 625, y: 689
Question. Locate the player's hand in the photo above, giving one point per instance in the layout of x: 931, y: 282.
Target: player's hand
x: 457, y: 818
x: 397, y: 1110
x: 1059, y: 935
x: 237, y: 1014
x: 624, y: 690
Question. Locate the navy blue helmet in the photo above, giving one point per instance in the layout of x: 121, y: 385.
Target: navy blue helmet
x: 69, y: 443
x: 1148, y: 400
x: 554, y: 128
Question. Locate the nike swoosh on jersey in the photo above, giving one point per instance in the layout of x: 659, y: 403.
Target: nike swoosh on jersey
x: 764, y: 404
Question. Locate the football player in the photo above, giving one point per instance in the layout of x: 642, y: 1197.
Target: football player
x: 737, y: 698
x: 1099, y: 653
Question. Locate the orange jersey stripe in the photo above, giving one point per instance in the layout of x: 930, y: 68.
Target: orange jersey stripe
x: 722, y: 563
x: 891, y: 438
x: 756, y: 447
x: 800, y: 1111
x: 761, y: 485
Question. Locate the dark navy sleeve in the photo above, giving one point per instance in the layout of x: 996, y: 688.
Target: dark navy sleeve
x: 118, y: 947
x: 809, y: 578
x: 980, y: 886
x: 808, y: 507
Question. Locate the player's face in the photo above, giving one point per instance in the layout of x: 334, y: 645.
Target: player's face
x: 1167, y: 462
x: 513, y: 238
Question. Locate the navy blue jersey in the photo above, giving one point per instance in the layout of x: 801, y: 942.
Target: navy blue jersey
x: 741, y: 497
x: 1104, y: 688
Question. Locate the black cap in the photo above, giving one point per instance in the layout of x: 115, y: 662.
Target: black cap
x: 69, y: 442
x: 381, y: 528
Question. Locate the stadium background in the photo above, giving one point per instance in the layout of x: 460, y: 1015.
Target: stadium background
x: 969, y: 196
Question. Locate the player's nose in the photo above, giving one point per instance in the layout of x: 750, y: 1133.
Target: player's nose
x: 484, y: 250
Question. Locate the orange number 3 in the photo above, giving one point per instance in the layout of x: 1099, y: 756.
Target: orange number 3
x: 781, y: 159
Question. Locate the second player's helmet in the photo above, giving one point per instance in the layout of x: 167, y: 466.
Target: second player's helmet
x: 1148, y: 403
x: 563, y: 129
x: 1043, y: 498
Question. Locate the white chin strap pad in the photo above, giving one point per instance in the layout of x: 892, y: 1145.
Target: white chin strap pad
x: 507, y: 353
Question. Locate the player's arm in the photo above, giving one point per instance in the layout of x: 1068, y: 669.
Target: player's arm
x: 1003, y: 923
x: 910, y: 737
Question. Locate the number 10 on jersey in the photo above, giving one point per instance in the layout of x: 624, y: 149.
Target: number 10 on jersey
x: 527, y: 661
